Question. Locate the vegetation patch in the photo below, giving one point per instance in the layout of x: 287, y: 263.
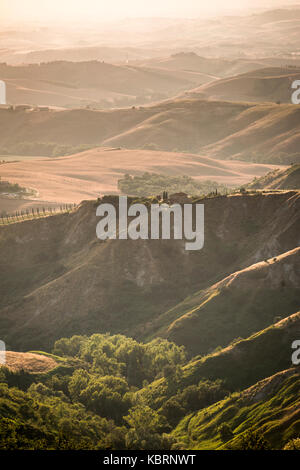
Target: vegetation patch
x: 151, y: 184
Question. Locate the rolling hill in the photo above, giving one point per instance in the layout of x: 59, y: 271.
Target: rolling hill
x: 140, y: 344
x: 266, y: 84
x: 148, y: 278
x: 249, y: 360
x: 263, y: 133
x: 255, y: 36
x: 207, y: 68
x: 95, y: 83
x: 269, y: 408
x: 87, y: 175
x: 242, y: 303
x: 278, y: 179
x: 217, y: 68
x: 83, y: 53
x: 241, y: 364
x: 277, y: 15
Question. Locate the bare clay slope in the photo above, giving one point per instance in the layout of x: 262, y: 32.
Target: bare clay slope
x: 57, y: 279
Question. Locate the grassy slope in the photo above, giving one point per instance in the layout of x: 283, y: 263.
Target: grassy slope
x: 249, y: 360
x: 237, y: 306
x: 239, y: 365
x: 271, y: 406
x: 278, y: 179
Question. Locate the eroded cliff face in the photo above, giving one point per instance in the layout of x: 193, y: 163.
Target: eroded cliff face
x: 57, y: 279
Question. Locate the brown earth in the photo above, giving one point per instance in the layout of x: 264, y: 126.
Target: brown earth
x: 95, y: 172
x: 29, y: 362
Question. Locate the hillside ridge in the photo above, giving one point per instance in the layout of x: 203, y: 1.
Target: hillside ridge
x: 127, y: 296
x: 258, y: 132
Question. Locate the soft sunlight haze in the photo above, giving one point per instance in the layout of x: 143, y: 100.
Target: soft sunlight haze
x: 69, y: 10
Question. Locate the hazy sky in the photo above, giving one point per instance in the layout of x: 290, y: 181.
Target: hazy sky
x: 116, y: 9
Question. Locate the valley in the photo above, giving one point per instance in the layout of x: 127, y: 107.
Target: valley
x: 113, y: 343
x: 119, y: 297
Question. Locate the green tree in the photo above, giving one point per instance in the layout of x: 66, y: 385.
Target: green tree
x: 147, y: 429
x: 293, y: 444
x: 254, y: 440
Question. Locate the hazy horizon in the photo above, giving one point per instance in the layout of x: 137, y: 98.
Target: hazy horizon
x: 93, y: 10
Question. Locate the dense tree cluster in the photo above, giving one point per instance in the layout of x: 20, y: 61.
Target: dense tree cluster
x: 7, y: 187
x: 112, y: 392
x: 151, y: 184
x: 101, y: 397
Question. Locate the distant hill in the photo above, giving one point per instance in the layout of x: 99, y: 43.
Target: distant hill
x: 248, y: 36
x: 266, y: 84
x: 212, y: 68
x: 277, y: 15
x: 278, y: 179
x: 94, y: 83
x: 85, y: 53
x: 262, y: 133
